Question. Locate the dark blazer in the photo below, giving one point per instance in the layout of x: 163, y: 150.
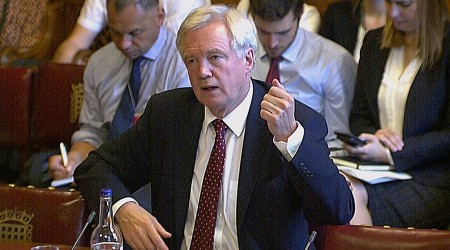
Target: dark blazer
x: 426, y: 132
x: 340, y: 24
x: 275, y: 197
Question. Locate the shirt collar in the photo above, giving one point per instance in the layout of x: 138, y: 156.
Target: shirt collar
x: 236, y: 119
x: 156, y: 48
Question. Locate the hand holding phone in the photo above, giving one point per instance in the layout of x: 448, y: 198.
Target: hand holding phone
x: 351, y: 140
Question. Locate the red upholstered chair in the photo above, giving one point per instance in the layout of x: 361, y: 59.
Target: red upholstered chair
x: 42, y: 215
x: 57, y: 99
x: 351, y: 237
x: 15, y: 94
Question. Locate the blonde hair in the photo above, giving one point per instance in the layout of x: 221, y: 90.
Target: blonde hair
x: 433, y: 16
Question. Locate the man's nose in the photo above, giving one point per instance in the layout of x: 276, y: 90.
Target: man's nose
x: 204, y: 70
x: 124, y: 41
x: 273, y: 41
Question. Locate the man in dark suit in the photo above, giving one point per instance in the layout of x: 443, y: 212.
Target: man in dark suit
x: 276, y: 176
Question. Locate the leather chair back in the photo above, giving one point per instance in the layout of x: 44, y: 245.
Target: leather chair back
x: 379, y: 238
x: 42, y: 215
x: 15, y: 95
x: 56, y: 104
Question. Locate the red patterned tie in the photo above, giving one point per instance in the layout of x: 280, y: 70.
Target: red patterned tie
x: 205, y: 222
x: 274, y: 71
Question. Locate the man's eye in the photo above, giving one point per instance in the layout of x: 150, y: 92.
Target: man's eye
x: 262, y: 32
x: 136, y: 33
x: 190, y: 61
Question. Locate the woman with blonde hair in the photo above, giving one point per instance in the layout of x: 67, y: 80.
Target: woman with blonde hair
x: 402, y: 108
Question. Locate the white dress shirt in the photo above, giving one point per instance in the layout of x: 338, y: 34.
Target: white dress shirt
x: 318, y: 73
x: 93, y: 15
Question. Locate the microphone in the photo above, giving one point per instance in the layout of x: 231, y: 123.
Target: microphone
x: 312, y: 237
x: 89, y: 220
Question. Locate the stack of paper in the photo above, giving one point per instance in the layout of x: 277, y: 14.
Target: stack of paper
x: 373, y: 177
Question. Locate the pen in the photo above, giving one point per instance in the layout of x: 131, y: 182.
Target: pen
x: 63, y: 154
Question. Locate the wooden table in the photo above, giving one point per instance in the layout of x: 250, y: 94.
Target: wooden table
x: 8, y: 245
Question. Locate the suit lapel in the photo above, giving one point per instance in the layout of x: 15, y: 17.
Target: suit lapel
x: 186, y: 135
x: 254, y: 153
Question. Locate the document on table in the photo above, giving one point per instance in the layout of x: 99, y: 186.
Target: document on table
x: 374, y: 177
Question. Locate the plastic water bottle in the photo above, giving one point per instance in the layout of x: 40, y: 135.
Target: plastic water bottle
x: 106, y: 235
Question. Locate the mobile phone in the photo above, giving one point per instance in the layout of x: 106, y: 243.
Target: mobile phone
x: 350, y: 139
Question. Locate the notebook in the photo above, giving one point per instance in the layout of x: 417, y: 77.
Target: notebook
x: 62, y: 182
x: 354, y: 162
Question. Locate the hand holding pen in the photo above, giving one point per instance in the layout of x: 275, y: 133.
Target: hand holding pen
x: 65, y: 161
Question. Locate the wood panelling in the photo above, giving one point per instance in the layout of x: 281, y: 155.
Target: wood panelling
x: 226, y: 2
x: 320, y: 4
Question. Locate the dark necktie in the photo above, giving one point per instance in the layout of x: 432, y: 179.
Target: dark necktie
x: 205, y: 222
x: 274, y: 71
x: 124, y: 117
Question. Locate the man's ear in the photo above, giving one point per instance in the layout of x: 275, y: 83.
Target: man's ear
x: 160, y: 15
x: 249, y: 59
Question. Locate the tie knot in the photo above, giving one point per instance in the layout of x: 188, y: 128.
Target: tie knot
x: 138, y: 60
x: 276, y: 60
x: 220, y: 127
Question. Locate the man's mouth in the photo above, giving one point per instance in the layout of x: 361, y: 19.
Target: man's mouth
x: 208, y: 88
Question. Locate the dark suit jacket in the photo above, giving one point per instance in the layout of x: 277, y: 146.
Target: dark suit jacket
x: 426, y: 132
x: 275, y: 198
x: 340, y: 24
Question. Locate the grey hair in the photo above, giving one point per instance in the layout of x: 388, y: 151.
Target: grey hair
x: 240, y: 27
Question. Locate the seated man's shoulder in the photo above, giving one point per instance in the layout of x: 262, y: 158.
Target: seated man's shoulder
x: 329, y: 46
x: 169, y: 45
x: 107, y: 54
x: 327, y: 49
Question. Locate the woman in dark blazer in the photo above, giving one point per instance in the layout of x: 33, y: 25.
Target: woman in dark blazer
x: 402, y: 107
x: 346, y: 22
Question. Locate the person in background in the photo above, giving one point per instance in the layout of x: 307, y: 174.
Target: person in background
x: 401, y: 107
x: 347, y: 22
x: 310, y: 19
x: 314, y: 70
x: 138, y: 34
x: 93, y: 19
x: 273, y: 170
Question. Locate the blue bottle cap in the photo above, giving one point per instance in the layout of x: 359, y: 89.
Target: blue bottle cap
x: 106, y: 192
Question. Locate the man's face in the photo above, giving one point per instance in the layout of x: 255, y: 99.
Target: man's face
x: 134, y: 29
x: 404, y: 14
x: 276, y: 36
x: 219, y: 78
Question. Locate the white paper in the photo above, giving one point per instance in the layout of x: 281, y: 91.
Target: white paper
x: 374, y: 177
x: 62, y: 182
